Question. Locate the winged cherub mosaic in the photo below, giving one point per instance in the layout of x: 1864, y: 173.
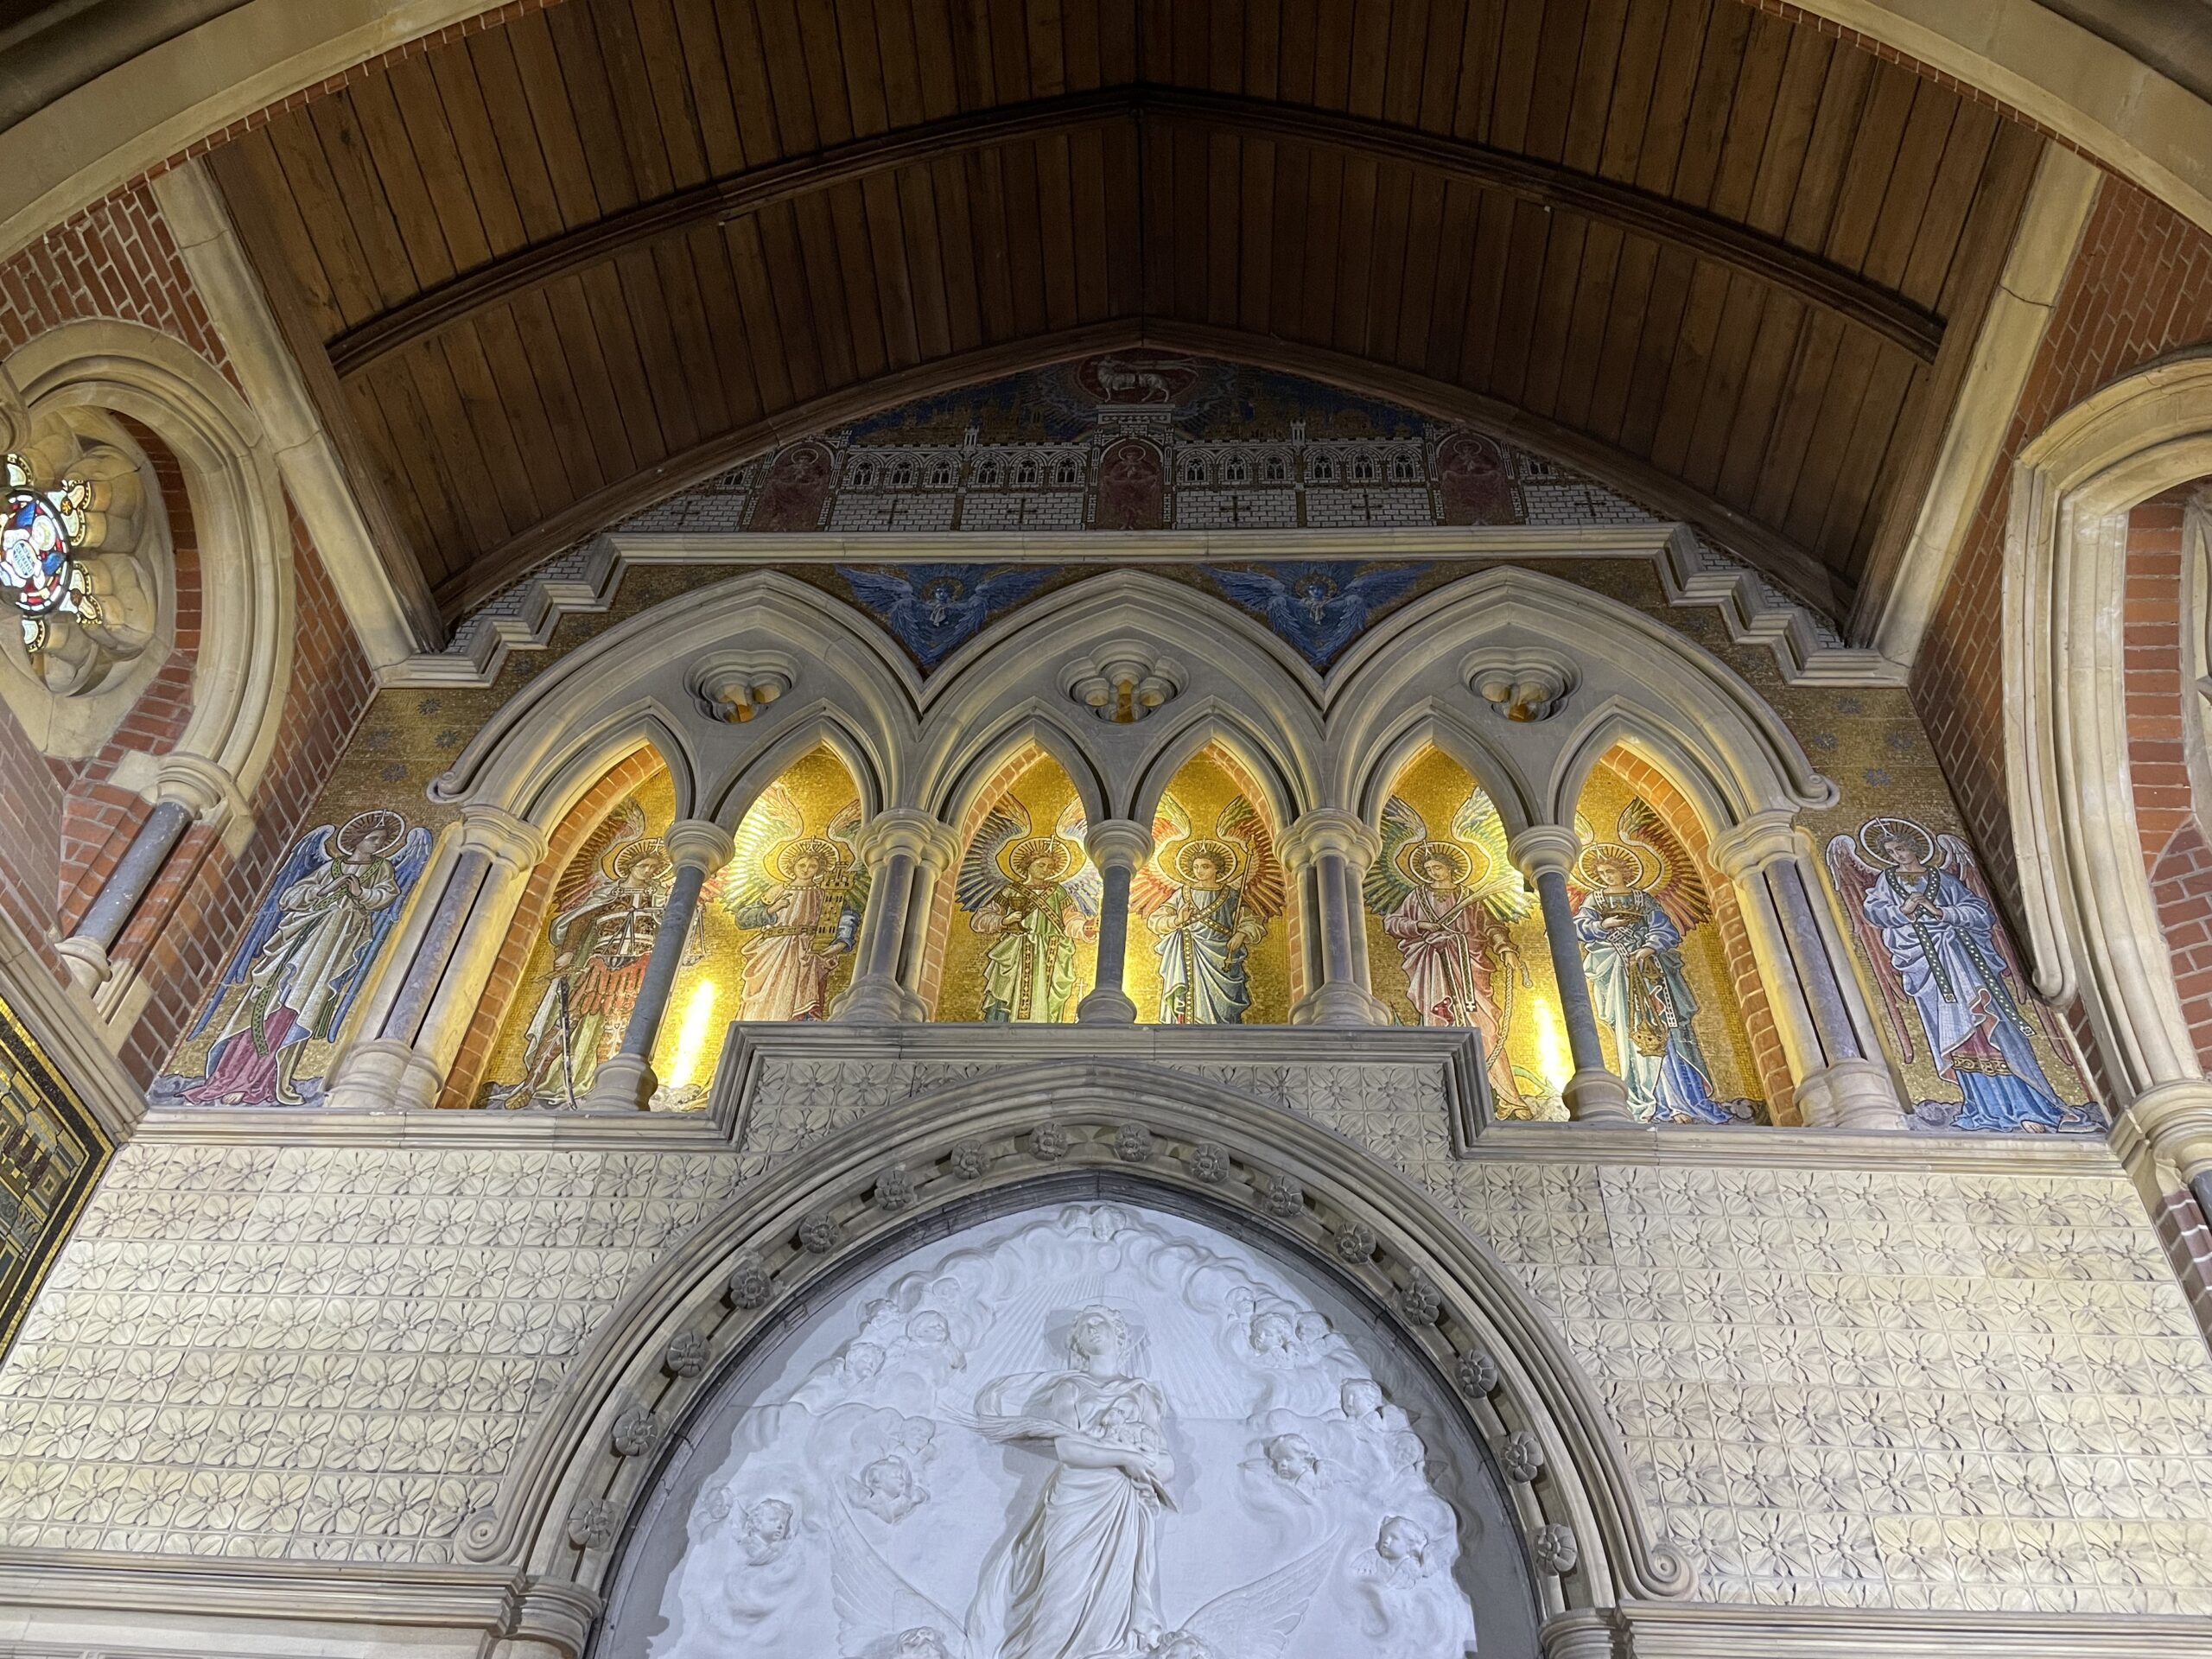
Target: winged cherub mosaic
x: 800, y: 896
x: 1035, y: 897
x: 1207, y: 900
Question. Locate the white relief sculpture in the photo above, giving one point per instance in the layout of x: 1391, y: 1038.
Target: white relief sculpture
x: 1137, y: 1447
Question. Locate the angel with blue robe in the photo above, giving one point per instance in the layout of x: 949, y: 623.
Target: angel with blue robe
x: 1206, y: 915
x: 1919, y: 907
x: 1641, y: 898
x: 1034, y: 898
x: 303, y: 963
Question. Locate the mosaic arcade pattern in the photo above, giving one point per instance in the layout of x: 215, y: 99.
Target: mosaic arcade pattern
x: 52, y: 1151
x: 267, y: 1033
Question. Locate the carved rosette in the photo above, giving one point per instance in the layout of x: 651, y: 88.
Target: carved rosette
x: 686, y: 1355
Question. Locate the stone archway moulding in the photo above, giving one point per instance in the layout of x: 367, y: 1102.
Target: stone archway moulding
x: 2092, y: 924
x: 1207, y: 1149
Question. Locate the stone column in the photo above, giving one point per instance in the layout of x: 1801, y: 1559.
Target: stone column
x: 904, y: 850
x: 448, y: 946
x: 1544, y: 853
x: 1327, y: 853
x: 1839, y: 1078
x: 625, y: 1081
x: 186, y: 790
x: 1116, y: 847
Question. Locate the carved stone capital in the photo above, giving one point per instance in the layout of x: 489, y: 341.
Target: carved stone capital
x: 507, y: 840
x: 2175, y: 1118
x: 1340, y: 1002
x: 1117, y: 842
x: 905, y: 829
x: 384, y: 1076
x: 1850, y: 1094
x: 1763, y: 838
x: 624, y: 1083
x: 700, y: 844
x: 1544, y: 848
x: 1598, y: 1097
x: 206, y: 789
x: 1106, y: 1006
x: 1328, y: 829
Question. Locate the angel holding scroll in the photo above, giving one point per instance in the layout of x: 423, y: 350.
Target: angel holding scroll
x: 1446, y: 903
x: 1207, y: 900
x: 1641, y: 896
x: 1919, y: 907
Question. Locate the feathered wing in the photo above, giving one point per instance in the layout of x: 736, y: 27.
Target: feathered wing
x: 773, y: 818
x: 1154, y: 883
x: 1504, y: 894
x: 1854, y: 879
x: 1386, y: 886
x: 308, y: 854
x: 844, y: 829
x: 1679, y: 889
x: 891, y: 598
x: 627, y: 822
x: 1245, y: 825
x: 1257, y: 590
x: 874, y: 1606
x: 1257, y: 1620
x: 981, y: 873
x: 1083, y: 881
x: 407, y: 863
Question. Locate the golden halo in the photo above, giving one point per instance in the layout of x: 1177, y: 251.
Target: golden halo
x: 1614, y: 852
x: 1226, y: 859
x: 1904, y: 826
x: 1020, y: 858
x: 369, y: 835
x: 1414, y: 854
x: 624, y: 859
x: 825, y: 851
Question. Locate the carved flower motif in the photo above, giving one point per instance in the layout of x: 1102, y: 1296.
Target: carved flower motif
x: 748, y: 1283
x: 636, y: 1432
x: 1356, y: 1243
x: 1523, y: 1457
x: 895, y: 1190
x: 1477, y: 1374
x: 591, y: 1524
x: 820, y: 1234
x: 1553, y: 1547
x: 1133, y: 1143
x: 968, y: 1160
x: 686, y: 1355
x: 1286, y: 1197
x: 1209, y: 1163
x: 1420, y: 1302
x: 1048, y: 1142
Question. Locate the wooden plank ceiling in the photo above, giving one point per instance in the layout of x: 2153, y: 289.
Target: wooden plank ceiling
x: 562, y: 266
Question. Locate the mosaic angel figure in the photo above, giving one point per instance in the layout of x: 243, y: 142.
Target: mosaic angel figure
x: 1447, y: 903
x: 1207, y: 900
x: 301, y: 964
x: 1920, y: 909
x: 1640, y: 897
x: 801, y: 896
x: 606, y: 915
x: 1035, y: 897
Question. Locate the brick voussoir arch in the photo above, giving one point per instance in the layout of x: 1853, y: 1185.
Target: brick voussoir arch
x: 1026, y: 1134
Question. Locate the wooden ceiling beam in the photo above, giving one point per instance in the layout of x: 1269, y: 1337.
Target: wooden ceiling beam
x: 1864, y: 304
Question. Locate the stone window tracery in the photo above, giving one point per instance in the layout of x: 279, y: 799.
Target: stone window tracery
x: 86, y: 601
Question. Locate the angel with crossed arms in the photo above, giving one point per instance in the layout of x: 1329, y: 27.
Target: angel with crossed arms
x: 1447, y: 904
x: 1640, y: 897
x: 1034, y: 897
x: 1917, y: 903
x: 800, y: 896
x: 1207, y: 900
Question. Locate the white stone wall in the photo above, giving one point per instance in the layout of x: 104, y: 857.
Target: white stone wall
x: 1842, y: 1378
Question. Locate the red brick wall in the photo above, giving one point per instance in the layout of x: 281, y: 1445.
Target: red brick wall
x: 2140, y: 287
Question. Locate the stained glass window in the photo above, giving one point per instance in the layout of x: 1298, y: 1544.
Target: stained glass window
x: 38, y: 561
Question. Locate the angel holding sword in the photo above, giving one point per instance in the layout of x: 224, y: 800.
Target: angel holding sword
x: 1208, y: 914
x: 1447, y: 904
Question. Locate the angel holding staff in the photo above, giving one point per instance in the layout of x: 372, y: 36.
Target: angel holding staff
x: 1207, y: 915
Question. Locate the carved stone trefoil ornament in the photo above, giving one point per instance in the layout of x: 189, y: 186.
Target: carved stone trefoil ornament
x: 1123, y: 683
x: 1522, y: 683
x: 735, y: 689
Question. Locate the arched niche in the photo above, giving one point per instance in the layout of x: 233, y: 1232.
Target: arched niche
x: 1664, y: 951
x: 1211, y: 925
x: 1018, y: 921
x: 909, y: 1469
x: 1453, y: 932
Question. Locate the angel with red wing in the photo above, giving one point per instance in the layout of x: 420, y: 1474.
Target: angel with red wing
x: 1207, y: 900
x: 1918, y: 906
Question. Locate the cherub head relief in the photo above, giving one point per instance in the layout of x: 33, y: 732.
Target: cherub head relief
x: 1402, y: 1549
x: 1361, y: 1399
x: 1180, y: 1644
x: 766, y: 1528
x: 1292, y: 1459
x: 886, y: 1490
